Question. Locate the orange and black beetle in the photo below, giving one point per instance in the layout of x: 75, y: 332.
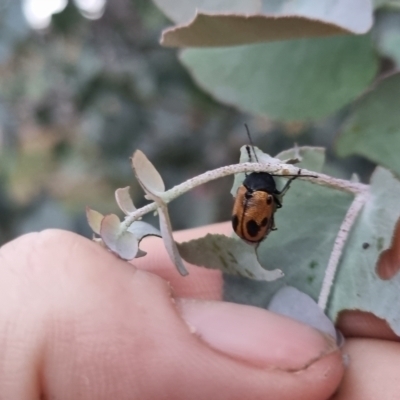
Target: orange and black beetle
x: 256, y: 201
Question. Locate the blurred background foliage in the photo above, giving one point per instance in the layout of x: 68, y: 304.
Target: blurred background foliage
x: 82, y: 87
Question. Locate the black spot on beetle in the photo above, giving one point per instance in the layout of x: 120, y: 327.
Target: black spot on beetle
x: 248, y: 195
x: 365, y: 245
x: 252, y: 228
x: 269, y: 200
x: 235, y: 222
x: 264, y: 222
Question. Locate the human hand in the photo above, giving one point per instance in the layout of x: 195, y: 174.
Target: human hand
x: 77, y: 323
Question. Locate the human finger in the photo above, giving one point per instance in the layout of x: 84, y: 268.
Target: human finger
x: 78, y: 323
x: 372, y: 372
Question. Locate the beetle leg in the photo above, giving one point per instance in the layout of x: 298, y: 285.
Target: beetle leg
x: 286, y: 187
x: 278, y: 202
x: 273, y: 227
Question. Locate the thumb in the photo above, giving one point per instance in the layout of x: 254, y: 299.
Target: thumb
x: 76, y: 323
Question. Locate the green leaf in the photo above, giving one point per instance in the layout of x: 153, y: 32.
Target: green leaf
x: 386, y: 35
x: 292, y: 303
x: 291, y: 80
x: 386, y: 3
x: 357, y: 286
x: 373, y: 128
x: 312, y: 158
x: 181, y: 11
x: 229, y: 255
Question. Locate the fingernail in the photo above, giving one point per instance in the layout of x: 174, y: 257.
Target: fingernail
x: 254, y: 335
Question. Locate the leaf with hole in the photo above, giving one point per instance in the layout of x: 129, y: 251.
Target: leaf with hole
x: 358, y: 284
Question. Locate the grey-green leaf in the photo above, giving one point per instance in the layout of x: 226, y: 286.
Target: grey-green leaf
x: 94, y: 219
x: 387, y: 35
x: 142, y: 229
x: 181, y: 11
x: 373, y: 128
x: 355, y: 15
x: 292, y: 303
x: 357, y: 286
x: 147, y: 175
x: 229, y: 255
x: 124, y: 200
x: 122, y: 243
x: 290, y: 80
x: 169, y: 243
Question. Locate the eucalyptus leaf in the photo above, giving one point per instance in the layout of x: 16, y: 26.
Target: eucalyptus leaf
x: 169, y: 243
x: 373, y: 127
x: 387, y: 35
x: 355, y: 15
x: 181, y: 11
x: 127, y: 246
x: 292, y: 303
x: 142, y: 229
x: 290, y: 80
x: 94, y: 219
x: 124, y: 200
x: 120, y: 242
x: 387, y: 3
x: 358, y: 287
x: 146, y: 174
x: 229, y: 255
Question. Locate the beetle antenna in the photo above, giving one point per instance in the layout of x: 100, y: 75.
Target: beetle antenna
x: 306, y: 176
x: 251, y: 142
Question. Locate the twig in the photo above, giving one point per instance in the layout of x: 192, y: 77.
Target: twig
x: 338, y: 247
x: 273, y: 168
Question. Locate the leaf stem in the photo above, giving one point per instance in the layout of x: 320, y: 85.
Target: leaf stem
x: 338, y: 247
x: 272, y: 168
